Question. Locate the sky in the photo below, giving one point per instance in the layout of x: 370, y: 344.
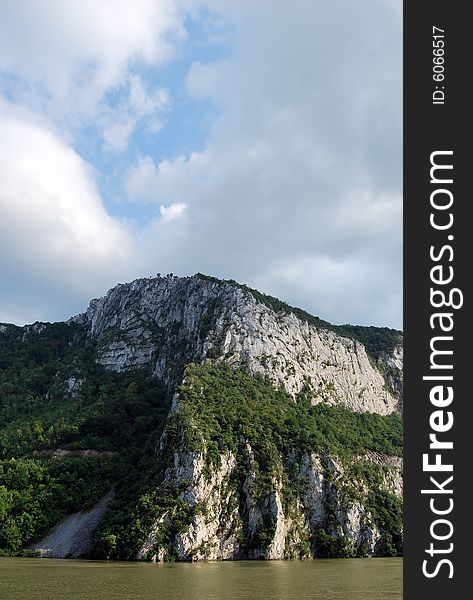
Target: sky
x: 256, y: 141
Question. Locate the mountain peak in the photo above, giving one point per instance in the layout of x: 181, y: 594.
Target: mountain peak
x: 165, y: 323
x: 222, y: 420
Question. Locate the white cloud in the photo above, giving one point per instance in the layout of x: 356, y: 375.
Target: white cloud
x: 141, y: 179
x: 173, y: 211
x: 65, y: 56
x: 141, y: 104
x: 149, y: 182
x: 339, y: 283
x: 116, y: 136
x: 297, y: 189
x: 57, y: 243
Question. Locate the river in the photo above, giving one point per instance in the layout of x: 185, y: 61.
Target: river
x: 349, y: 579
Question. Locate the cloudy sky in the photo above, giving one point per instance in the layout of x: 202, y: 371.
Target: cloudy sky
x: 258, y: 141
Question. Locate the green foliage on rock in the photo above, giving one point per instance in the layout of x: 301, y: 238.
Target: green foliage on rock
x: 37, y: 494
x: 105, y: 411
x: 70, y: 431
x: 224, y: 410
x: 330, y: 546
x: 62, y: 449
x: 220, y: 407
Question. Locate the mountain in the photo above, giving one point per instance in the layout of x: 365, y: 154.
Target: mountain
x: 194, y: 418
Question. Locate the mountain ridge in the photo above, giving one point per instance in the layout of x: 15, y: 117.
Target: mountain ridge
x: 173, y: 321
x: 230, y: 424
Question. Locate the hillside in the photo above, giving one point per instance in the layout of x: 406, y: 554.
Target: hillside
x: 227, y: 423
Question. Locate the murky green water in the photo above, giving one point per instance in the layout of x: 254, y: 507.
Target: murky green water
x: 47, y: 579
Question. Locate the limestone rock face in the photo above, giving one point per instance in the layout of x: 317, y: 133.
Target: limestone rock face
x: 166, y: 323
x: 234, y: 520
x: 223, y: 509
x: 219, y: 498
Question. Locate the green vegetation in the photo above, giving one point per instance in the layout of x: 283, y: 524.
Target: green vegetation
x: 104, y: 428
x: 35, y: 495
x: 387, y: 512
x: 224, y: 410
x: 221, y: 406
x: 329, y: 546
x: 385, y: 507
x: 70, y: 431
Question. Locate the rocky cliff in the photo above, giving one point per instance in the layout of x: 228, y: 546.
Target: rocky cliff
x: 283, y: 438
x: 253, y: 479
x: 232, y: 522
x: 167, y: 323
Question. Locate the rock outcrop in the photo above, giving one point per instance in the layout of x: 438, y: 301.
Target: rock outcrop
x: 233, y: 519
x: 249, y: 481
x: 166, y: 323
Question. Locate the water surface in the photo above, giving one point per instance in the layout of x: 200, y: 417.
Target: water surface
x: 349, y: 579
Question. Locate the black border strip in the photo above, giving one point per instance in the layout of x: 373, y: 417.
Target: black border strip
x: 428, y: 128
